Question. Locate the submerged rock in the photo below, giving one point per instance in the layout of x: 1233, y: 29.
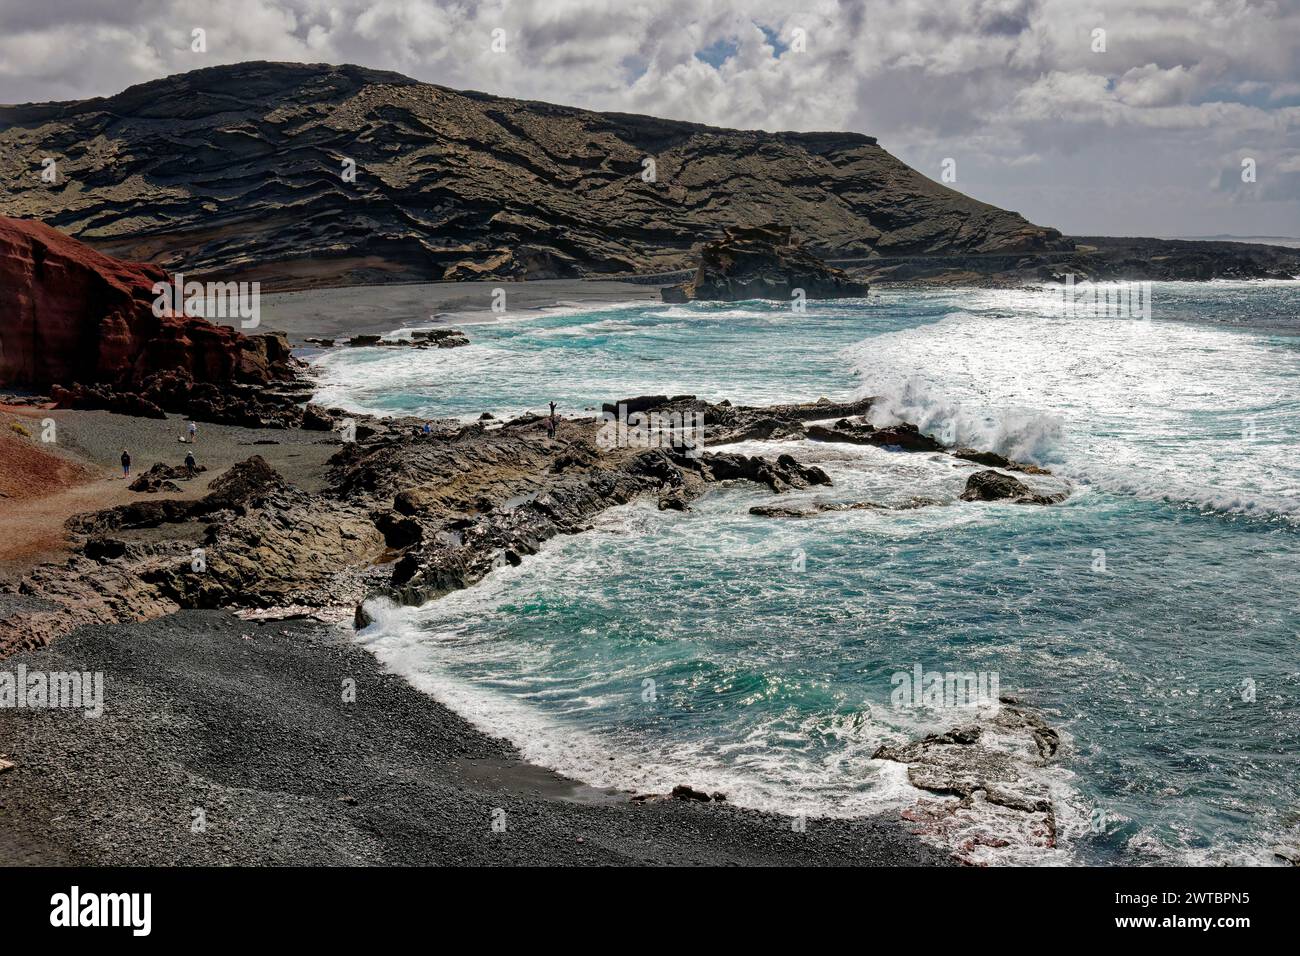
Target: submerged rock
x: 822, y: 507
x: 995, y: 486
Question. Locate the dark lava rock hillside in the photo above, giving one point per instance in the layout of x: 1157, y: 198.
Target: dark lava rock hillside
x: 238, y: 170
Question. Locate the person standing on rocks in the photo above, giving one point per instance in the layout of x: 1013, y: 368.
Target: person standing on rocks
x: 551, y: 423
x: 193, y: 430
x: 126, y: 464
x: 190, y: 464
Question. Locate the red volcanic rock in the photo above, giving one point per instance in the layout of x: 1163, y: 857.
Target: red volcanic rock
x: 74, y: 315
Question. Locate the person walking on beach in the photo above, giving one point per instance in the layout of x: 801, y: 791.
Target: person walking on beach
x: 190, y: 464
x: 193, y: 430
x: 551, y: 423
x: 126, y: 464
x: 427, y: 429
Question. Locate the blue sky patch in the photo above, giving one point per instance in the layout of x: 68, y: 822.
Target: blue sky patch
x: 715, y: 54
x: 774, y: 38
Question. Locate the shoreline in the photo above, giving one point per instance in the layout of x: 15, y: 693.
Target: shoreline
x: 386, y: 309
x: 395, y: 778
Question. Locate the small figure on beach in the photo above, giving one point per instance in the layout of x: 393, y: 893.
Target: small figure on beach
x: 427, y: 429
x: 551, y: 423
x: 126, y: 464
x: 190, y: 464
x: 193, y: 430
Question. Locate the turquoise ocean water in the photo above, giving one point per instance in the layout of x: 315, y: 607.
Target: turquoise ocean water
x: 1154, y: 617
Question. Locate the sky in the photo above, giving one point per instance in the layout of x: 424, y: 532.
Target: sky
x: 1139, y: 129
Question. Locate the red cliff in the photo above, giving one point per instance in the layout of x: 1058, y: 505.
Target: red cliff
x: 72, y: 316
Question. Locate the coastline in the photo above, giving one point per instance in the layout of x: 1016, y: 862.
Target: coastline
x: 203, y: 707
x: 495, y: 774
x: 563, y: 486
x: 196, y: 703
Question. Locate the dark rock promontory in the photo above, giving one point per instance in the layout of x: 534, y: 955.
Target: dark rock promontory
x: 762, y: 262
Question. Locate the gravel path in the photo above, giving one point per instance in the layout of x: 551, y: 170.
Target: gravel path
x: 91, y: 443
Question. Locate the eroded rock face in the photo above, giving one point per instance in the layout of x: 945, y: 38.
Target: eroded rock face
x: 761, y: 262
x: 75, y: 315
x: 450, y: 185
x: 82, y: 325
x: 72, y: 314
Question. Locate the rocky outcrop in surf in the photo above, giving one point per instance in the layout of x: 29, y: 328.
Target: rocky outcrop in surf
x: 905, y: 436
x: 762, y: 262
x: 420, y: 339
x: 823, y: 420
x: 405, y: 514
x: 986, y: 775
x: 995, y: 486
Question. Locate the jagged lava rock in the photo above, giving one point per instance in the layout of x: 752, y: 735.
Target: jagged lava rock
x: 995, y: 486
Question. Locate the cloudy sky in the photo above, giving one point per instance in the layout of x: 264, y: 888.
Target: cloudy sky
x: 1140, y: 130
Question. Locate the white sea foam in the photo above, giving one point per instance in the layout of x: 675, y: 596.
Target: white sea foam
x: 753, y: 774
x: 702, y: 314
x: 1152, y: 409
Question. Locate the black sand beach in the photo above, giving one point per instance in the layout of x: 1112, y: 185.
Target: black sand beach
x: 374, y: 310
x: 246, y: 723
